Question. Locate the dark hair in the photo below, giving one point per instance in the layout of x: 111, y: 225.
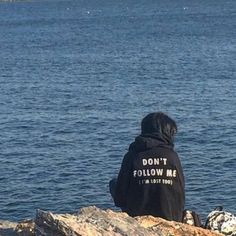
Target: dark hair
x: 159, y: 123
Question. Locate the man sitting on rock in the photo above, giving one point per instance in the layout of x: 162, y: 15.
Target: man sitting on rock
x: 151, y: 180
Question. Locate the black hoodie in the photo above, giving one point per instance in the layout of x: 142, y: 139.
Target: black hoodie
x: 151, y: 180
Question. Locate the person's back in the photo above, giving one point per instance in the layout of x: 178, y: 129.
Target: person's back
x: 151, y: 181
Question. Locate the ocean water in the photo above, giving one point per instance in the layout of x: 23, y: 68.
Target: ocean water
x: 78, y: 76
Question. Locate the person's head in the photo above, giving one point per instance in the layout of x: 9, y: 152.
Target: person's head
x: 161, y: 124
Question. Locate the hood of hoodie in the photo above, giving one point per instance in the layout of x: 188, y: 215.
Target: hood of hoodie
x: 148, y: 141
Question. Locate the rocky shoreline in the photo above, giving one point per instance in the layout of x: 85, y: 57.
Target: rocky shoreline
x: 93, y: 221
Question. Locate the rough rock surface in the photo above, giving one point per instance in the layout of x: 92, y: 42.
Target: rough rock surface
x: 89, y: 222
x: 169, y: 228
x: 7, y: 228
x: 92, y: 221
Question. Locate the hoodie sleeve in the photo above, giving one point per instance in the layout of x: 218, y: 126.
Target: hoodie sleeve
x: 123, y: 181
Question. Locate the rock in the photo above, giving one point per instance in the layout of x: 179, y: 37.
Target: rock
x: 25, y: 228
x: 92, y: 221
x: 7, y: 228
x: 173, y: 228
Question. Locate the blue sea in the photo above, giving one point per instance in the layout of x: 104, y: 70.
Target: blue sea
x: 78, y: 76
